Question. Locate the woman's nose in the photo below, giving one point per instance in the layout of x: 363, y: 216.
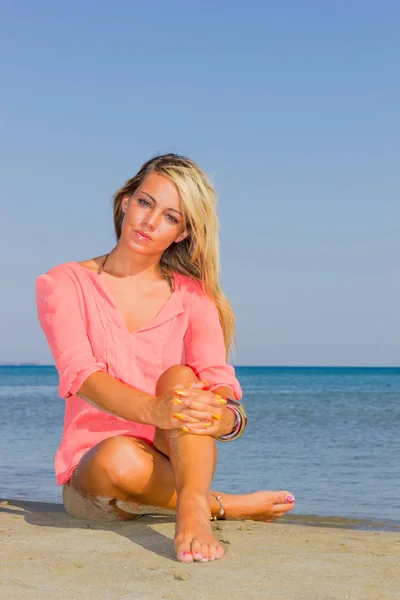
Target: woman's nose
x: 151, y: 221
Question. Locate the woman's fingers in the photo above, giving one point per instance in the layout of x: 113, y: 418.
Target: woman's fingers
x: 198, y: 399
x: 207, y: 428
x: 187, y: 419
x: 196, y: 407
x: 195, y: 416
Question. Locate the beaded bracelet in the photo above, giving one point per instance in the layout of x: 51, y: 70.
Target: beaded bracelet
x: 221, y: 511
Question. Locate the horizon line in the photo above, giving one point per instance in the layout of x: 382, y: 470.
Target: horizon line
x: 35, y: 364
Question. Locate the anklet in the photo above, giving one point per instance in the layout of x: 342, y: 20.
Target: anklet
x: 221, y: 511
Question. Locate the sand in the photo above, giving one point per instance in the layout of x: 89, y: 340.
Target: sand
x: 47, y: 554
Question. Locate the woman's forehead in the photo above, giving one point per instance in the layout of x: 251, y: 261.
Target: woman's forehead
x: 160, y: 189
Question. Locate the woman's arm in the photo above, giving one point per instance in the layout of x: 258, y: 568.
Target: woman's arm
x: 113, y: 396
x: 205, y: 354
x: 61, y: 316
x: 227, y: 421
x: 204, y: 345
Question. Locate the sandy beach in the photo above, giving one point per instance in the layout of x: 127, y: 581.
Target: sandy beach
x: 47, y: 554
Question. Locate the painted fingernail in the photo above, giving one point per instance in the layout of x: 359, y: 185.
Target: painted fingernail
x: 216, y: 417
x: 204, y: 381
x: 289, y: 499
x: 178, y: 401
x: 187, y: 385
x: 206, y: 424
x: 185, y: 429
x: 179, y: 393
x: 178, y: 416
x: 221, y: 400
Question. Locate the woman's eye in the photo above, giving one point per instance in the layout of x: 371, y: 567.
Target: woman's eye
x: 171, y: 218
x: 144, y: 202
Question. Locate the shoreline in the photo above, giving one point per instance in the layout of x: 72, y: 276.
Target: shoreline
x: 307, y: 520
x: 48, y: 555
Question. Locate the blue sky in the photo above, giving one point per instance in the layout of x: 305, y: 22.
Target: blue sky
x: 291, y: 107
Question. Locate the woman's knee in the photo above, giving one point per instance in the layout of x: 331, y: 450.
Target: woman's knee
x: 172, y: 376
x: 118, y: 461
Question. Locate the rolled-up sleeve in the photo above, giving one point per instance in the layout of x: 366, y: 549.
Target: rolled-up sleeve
x: 61, y: 317
x: 205, y: 347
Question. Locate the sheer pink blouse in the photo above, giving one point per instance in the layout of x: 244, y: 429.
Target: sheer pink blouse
x: 86, y: 333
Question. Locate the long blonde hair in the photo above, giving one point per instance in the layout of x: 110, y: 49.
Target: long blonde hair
x: 197, y: 256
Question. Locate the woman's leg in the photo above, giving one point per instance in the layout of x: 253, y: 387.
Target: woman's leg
x: 129, y: 476
x: 193, y: 459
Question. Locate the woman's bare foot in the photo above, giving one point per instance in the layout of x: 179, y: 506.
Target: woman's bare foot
x: 194, y: 539
x: 258, y: 506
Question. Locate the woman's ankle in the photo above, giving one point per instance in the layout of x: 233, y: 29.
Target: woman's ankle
x: 189, y: 492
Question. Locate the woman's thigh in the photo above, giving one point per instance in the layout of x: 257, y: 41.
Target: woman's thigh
x: 119, y: 467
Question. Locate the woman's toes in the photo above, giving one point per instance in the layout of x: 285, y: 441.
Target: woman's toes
x: 196, y: 548
x: 282, y: 509
x: 285, y: 498
x: 212, y: 552
x: 184, y: 554
x: 204, y: 553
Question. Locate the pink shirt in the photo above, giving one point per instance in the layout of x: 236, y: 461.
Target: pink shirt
x: 86, y: 333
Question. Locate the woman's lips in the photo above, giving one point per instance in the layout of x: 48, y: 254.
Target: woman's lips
x: 142, y: 236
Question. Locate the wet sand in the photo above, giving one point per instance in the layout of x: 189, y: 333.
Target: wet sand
x: 45, y: 554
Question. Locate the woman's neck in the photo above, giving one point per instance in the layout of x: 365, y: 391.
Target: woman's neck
x: 122, y: 262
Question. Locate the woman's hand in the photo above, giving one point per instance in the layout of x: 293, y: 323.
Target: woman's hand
x: 190, y: 408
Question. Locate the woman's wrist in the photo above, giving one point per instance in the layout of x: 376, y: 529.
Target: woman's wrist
x: 240, y: 421
x: 153, y: 408
x: 227, y: 422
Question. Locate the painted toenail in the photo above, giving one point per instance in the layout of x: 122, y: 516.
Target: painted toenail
x: 289, y: 499
x: 185, y: 553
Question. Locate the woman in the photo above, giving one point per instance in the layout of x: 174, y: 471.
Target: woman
x: 140, y: 338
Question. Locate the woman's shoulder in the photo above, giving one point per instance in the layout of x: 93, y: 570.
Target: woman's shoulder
x: 188, y: 284
x: 192, y: 290
x: 67, y: 275
x: 74, y: 269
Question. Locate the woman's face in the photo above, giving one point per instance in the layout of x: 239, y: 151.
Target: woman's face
x: 153, y: 216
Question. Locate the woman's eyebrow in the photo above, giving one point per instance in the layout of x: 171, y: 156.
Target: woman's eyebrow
x: 155, y: 202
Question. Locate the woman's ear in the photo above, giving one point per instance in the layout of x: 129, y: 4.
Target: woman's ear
x: 182, y: 236
x: 124, y: 203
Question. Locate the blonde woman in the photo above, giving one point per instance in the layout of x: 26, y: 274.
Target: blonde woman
x: 140, y: 338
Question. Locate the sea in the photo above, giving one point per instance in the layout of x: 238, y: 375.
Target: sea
x: 329, y: 435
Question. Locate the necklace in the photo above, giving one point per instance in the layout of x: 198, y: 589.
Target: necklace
x: 101, y: 267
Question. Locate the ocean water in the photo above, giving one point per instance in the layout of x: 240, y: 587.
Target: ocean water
x: 331, y: 436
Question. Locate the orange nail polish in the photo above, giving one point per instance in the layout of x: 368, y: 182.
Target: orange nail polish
x: 178, y: 416
x: 178, y: 401
x: 221, y: 399
x: 216, y: 417
x: 179, y: 393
